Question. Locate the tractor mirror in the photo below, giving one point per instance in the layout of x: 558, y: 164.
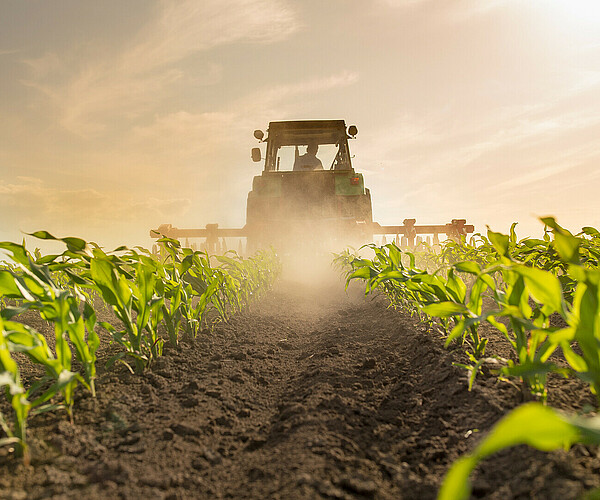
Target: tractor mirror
x: 259, y: 134
x: 256, y: 152
x: 352, y: 130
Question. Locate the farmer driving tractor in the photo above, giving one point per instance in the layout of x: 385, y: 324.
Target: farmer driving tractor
x: 308, y: 161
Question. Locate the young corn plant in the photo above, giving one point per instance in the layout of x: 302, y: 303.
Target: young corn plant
x: 17, y: 337
x: 130, y: 291
x: 583, y: 315
x: 143, y: 292
x: 126, y: 285
x: 532, y: 424
x: 10, y: 381
x: 457, y: 305
x: 33, y: 287
x: 187, y: 287
x: 420, y: 291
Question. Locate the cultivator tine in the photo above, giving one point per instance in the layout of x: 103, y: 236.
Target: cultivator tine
x: 412, y: 235
x: 214, y: 239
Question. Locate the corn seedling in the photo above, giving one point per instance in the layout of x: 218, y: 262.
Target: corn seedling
x: 531, y: 424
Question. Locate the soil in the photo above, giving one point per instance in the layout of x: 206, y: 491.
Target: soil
x: 310, y: 393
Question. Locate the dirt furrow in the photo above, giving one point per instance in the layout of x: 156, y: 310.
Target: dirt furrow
x: 311, y: 393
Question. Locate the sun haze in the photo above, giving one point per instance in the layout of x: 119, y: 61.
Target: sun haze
x: 117, y: 117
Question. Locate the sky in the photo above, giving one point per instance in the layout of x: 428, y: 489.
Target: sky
x: 116, y: 116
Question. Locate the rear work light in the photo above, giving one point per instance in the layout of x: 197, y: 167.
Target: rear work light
x: 355, y: 181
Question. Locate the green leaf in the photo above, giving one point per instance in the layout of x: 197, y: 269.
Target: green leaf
x: 103, y: 276
x: 565, y: 243
x: 8, y: 286
x: 567, y: 247
x: 43, y: 235
x: 590, y: 231
x: 500, y: 242
x: 528, y: 369
x: 365, y: 273
x: 543, y: 286
x: 468, y: 267
x: 456, y: 485
x: 532, y: 424
x: 475, y: 298
x: 19, y: 253
x: 445, y: 309
x: 456, y: 332
x: 73, y: 244
x: 456, y: 287
x: 575, y: 360
x: 513, y: 234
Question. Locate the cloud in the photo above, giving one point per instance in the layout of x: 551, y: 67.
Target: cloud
x: 464, y: 10
x: 501, y: 166
x: 585, y: 80
x: 534, y: 176
x: 283, y: 100
x: 310, y: 86
x: 185, y: 133
x: 43, y: 66
x: 132, y: 82
x: 534, y: 134
x: 403, y: 4
x: 30, y: 204
x: 455, y: 11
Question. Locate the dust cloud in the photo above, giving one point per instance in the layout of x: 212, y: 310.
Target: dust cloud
x: 309, y: 259
x: 315, y: 270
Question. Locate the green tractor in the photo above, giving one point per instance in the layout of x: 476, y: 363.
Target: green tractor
x: 308, y: 193
x: 309, y: 197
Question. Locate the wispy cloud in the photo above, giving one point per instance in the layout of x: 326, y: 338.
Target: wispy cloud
x: 454, y: 11
x: 314, y: 85
x: 585, y: 80
x: 434, y: 139
x: 133, y: 81
x: 30, y: 204
x: 464, y: 10
x: 402, y: 4
x: 181, y: 135
x: 186, y: 134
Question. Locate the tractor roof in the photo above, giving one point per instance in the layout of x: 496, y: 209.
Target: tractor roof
x: 297, y: 132
x: 307, y: 125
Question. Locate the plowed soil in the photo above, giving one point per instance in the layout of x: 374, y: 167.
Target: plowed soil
x: 311, y: 393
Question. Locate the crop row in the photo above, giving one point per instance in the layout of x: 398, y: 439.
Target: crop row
x: 517, y: 287
x: 153, y: 300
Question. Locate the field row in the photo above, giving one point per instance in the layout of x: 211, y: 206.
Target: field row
x: 543, y: 295
x: 153, y: 299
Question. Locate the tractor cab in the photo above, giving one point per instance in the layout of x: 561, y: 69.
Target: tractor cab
x: 289, y: 144
x: 308, y: 188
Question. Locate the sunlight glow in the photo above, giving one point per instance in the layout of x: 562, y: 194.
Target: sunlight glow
x: 582, y: 12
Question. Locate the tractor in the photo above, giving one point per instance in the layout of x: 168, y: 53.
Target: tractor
x: 309, y: 197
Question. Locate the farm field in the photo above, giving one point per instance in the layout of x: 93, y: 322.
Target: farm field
x: 300, y: 250
x: 310, y: 393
